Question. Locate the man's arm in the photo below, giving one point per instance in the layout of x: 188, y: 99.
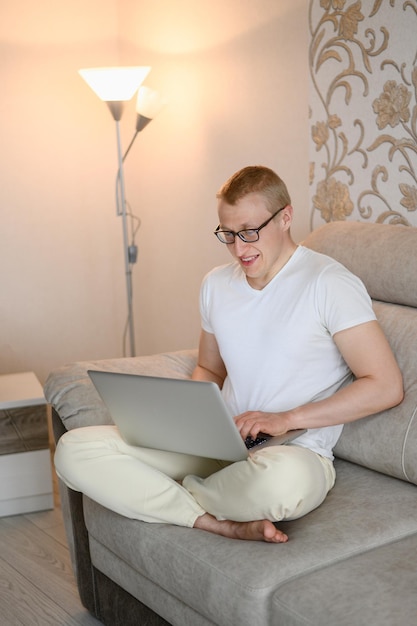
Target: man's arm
x: 377, y: 386
x: 210, y: 364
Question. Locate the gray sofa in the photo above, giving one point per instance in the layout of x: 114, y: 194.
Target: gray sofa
x: 351, y: 561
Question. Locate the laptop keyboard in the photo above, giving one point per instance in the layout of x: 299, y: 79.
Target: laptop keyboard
x: 251, y: 443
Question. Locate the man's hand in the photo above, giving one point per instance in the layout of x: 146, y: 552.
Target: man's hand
x: 252, y: 423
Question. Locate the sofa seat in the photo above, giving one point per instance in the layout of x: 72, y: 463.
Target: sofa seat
x: 377, y: 587
x: 343, y: 531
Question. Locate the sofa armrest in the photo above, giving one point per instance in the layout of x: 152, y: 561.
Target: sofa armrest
x: 76, y: 531
x: 99, y: 594
x: 71, y: 393
x: 76, y: 403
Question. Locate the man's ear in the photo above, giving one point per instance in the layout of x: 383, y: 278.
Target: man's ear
x: 287, y: 216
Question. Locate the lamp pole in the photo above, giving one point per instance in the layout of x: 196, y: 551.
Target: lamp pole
x: 128, y: 269
x: 116, y: 109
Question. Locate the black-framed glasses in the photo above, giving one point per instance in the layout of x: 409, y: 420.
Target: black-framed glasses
x: 249, y: 235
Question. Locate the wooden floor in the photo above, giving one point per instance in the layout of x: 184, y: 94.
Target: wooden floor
x: 37, y: 586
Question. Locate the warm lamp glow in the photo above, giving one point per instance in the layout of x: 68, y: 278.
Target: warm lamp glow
x: 115, y: 84
x: 149, y: 102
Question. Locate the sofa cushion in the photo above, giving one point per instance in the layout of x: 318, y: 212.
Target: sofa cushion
x: 382, y: 255
x: 211, y: 575
x: 387, y: 441
x: 385, y: 258
x: 70, y: 391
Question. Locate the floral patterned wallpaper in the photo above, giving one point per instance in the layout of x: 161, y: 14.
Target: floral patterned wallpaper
x: 363, y: 111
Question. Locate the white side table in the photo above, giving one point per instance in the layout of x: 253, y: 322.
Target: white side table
x: 25, y: 459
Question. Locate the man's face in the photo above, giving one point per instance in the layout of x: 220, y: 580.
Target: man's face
x: 262, y: 259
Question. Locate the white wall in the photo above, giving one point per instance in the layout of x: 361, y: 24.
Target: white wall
x: 236, y: 80
x: 57, y: 273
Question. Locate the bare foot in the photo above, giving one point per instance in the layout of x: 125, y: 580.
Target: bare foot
x: 259, y: 530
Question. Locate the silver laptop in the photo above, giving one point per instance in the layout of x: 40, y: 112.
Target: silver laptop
x: 175, y: 414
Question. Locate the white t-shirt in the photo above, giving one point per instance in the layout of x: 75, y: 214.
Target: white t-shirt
x: 276, y: 343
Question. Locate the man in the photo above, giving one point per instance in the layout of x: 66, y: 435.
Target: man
x: 291, y: 338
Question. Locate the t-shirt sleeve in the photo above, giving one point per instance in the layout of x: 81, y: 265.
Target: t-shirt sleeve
x: 204, y: 308
x: 343, y: 300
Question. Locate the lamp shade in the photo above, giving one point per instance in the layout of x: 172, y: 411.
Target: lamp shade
x: 149, y: 102
x: 115, y: 84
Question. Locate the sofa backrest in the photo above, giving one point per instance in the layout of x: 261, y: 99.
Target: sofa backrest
x: 385, y: 258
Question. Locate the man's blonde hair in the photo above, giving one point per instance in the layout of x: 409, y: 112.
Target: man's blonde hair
x: 256, y: 179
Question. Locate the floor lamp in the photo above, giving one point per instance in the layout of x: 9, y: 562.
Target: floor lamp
x: 115, y: 86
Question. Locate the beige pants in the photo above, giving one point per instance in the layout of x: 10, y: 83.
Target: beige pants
x: 276, y: 483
